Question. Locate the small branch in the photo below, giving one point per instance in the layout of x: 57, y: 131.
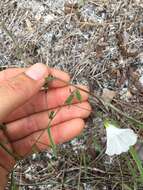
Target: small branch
x: 105, y: 104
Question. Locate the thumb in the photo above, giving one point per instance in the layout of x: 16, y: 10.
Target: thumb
x: 17, y: 90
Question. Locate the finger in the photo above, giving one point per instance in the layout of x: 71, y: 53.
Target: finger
x: 41, y: 102
x: 10, y: 72
x: 19, y: 89
x: 40, y: 120
x: 61, y: 75
x: 60, y: 133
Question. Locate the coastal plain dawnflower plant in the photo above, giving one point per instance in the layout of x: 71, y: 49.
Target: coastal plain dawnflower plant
x: 118, y: 140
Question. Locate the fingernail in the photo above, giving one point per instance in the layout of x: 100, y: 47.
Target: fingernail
x: 36, y: 71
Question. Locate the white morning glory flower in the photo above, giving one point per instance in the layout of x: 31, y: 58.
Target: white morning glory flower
x: 118, y: 140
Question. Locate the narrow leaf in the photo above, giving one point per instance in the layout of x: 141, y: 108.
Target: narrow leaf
x: 137, y: 160
x: 132, y: 170
x: 69, y: 99
x: 78, y: 95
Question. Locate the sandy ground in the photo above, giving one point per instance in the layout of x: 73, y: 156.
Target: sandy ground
x: 100, y: 43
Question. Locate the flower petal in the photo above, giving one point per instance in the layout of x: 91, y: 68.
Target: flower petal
x: 112, y: 131
x: 123, y: 145
x: 128, y: 137
x: 119, y: 140
x: 113, y: 147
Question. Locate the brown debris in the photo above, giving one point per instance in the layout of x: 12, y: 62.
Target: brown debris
x: 70, y: 8
x: 99, y: 50
x: 108, y: 95
x: 121, y: 77
x: 124, y: 48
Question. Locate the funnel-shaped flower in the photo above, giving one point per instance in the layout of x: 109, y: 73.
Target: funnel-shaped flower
x: 118, y: 140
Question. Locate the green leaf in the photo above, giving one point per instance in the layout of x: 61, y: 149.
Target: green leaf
x: 137, y: 161
x: 78, y: 95
x: 69, y: 99
x: 48, y: 79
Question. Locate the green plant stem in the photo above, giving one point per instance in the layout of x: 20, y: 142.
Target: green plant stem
x: 105, y: 104
x: 49, y: 134
x: 9, y: 152
x: 53, y: 145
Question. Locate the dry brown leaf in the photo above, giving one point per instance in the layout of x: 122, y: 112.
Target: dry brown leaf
x: 108, y: 95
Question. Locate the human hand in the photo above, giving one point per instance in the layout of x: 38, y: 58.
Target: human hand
x: 24, y: 109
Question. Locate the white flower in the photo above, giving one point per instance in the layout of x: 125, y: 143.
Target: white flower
x: 118, y: 140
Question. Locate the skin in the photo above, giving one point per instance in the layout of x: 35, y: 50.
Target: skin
x: 24, y: 109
